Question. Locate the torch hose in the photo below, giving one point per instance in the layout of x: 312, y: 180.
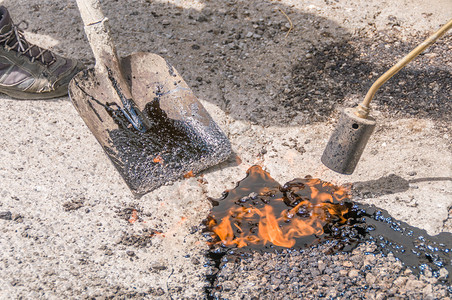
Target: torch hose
x: 363, y: 108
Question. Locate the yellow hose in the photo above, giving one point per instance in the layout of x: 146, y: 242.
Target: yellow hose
x: 363, y: 109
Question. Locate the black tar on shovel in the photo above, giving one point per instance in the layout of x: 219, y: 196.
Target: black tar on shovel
x: 143, y: 114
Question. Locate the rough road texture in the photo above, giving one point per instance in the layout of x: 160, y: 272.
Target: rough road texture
x: 65, y: 213
x: 312, y: 274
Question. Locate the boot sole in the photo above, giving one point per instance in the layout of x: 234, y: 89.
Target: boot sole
x: 60, y: 92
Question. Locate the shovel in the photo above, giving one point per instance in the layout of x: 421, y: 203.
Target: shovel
x: 143, y: 114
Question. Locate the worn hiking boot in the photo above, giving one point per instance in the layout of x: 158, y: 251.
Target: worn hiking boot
x: 28, y: 71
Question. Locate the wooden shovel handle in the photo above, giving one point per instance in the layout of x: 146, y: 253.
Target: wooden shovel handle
x: 90, y: 11
x: 97, y: 30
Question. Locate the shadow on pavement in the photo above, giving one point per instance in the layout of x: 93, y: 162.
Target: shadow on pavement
x: 388, y: 185
x: 240, y: 55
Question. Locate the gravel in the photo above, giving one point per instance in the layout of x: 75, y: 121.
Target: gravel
x: 336, y: 71
x: 312, y: 274
x: 6, y: 215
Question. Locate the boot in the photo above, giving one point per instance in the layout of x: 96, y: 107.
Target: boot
x: 28, y: 71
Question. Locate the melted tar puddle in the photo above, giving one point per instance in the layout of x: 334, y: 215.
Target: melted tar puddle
x: 308, y: 212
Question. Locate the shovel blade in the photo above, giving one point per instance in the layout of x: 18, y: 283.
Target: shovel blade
x: 181, y: 136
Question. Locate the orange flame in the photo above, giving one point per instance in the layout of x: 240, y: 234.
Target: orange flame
x: 270, y: 231
x: 158, y: 159
x: 134, y: 217
x: 248, y: 223
x: 189, y: 174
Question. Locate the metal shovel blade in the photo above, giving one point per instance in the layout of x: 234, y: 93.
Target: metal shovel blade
x: 180, y: 136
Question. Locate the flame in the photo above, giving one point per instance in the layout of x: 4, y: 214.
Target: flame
x: 189, y: 174
x: 277, y: 215
x: 134, y: 217
x: 270, y: 231
x: 224, y: 231
x: 158, y: 159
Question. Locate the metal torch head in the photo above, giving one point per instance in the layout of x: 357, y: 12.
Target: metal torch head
x: 347, y: 142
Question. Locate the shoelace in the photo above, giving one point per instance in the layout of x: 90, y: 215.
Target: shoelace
x: 21, y: 45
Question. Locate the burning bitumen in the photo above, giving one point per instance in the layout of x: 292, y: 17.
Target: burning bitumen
x: 310, y: 219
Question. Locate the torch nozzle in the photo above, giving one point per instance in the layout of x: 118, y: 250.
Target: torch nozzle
x: 348, y: 141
